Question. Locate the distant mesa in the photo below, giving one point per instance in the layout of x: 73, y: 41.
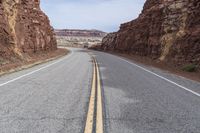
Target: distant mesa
x: 80, y: 33
x: 79, y: 38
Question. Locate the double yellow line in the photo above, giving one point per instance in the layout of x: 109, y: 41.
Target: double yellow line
x: 94, y: 122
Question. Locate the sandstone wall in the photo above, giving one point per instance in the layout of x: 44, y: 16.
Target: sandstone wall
x: 24, y: 29
x: 168, y: 30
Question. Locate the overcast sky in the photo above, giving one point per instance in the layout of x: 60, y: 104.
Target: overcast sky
x: 106, y: 15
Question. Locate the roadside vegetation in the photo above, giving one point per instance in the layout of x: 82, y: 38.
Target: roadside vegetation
x: 190, y: 68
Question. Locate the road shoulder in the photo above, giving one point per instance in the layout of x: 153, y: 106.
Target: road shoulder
x: 37, y: 60
x: 195, y: 76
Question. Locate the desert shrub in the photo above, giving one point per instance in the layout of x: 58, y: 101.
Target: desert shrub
x: 190, y: 68
x: 1, y: 61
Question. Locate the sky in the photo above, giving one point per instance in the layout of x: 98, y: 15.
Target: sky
x: 105, y: 15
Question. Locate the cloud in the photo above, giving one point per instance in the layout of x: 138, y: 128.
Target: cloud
x: 106, y: 15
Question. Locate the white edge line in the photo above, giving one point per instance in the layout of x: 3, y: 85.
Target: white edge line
x: 15, y: 79
x: 195, y: 93
x: 131, y: 63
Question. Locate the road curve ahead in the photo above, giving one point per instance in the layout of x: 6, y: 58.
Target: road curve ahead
x: 61, y: 95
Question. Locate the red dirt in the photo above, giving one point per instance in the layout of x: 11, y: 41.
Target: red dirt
x: 36, y: 59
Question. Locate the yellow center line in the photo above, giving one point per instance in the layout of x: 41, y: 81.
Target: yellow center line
x: 99, y: 117
x: 95, y: 100
x: 90, y: 115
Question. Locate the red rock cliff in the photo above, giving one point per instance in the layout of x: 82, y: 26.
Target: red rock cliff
x: 24, y: 29
x: 168, y: 30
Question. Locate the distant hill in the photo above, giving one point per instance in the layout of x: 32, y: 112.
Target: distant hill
x: 80, y: 33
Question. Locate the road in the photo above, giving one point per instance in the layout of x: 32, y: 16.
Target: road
x: 54, y: 97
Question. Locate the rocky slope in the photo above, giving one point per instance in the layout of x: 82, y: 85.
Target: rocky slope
x: 80, y: 33
x: 24, y: 30
x: 166, y: 30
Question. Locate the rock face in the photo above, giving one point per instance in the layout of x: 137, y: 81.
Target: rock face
x: 24, y: 29
x: 80, y: 33
x: 167, y: 30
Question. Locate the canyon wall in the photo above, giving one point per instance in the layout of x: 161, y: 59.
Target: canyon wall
x: 24, y: 29
x: 166, y: 30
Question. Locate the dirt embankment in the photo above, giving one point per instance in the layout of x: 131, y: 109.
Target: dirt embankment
x: 36, y: 59
x: 161, y: 65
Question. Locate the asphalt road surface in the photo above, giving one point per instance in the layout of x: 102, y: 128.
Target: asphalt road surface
x: 54, y: 97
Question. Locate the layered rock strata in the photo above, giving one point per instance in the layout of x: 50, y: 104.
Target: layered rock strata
x: 24, y: 29
x: 166, y: 30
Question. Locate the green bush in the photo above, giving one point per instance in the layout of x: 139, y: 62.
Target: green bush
x: 1, y: 61
x: 190, y: 68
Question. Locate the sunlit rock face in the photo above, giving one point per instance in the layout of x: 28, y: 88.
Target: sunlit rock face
x: 24, y: 29
x: 167, y: 30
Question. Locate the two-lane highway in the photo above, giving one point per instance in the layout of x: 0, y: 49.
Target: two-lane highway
x: 55, y: 97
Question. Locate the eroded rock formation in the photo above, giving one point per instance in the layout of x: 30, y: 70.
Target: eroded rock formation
x: 24, y: 29
x: 167, y: 30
